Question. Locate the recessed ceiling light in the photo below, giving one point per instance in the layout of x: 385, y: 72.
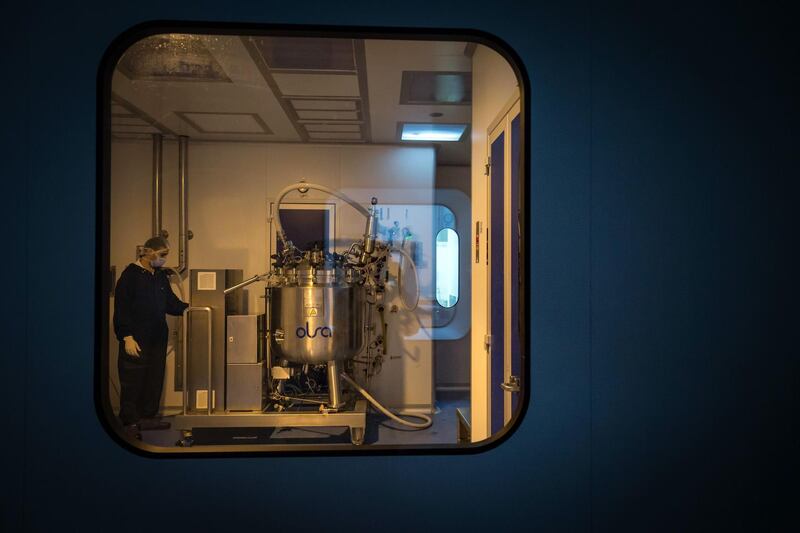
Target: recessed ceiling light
x: 433, y: 132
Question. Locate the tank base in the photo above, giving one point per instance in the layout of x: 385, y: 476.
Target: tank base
x: 354, y: 419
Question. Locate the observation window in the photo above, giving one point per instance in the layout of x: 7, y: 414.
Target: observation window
x: 447, y: 267
x: 325, y: 257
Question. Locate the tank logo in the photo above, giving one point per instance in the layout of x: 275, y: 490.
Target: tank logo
x: 302, y: 332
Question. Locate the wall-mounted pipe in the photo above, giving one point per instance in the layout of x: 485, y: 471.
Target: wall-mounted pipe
x: 158, y: 173
x: 183, y: 212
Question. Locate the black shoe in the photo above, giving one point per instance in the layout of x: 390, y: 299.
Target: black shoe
x: 153, y: 423
x: 132, y: 431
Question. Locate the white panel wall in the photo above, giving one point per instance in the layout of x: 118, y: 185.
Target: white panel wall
x: 493, y: 85
x: 230, y: 188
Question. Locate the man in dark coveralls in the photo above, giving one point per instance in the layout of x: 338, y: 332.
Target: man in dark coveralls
x: 142, y: 299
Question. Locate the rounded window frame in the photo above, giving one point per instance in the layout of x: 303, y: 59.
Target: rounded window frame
x: 103, y: 282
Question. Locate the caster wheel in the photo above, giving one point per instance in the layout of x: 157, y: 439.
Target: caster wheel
x: 357, y: 436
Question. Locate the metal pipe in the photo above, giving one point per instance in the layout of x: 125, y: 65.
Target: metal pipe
x: 334, y: 386
x: 243, y: 284
x: 268, y: 336
x: 158, y: 173
x: 301, y: 400
x: 211, y: 398
x: 370, y: 233
x: 185, y: 357
x: 183, y: 196
x: 304, y: 187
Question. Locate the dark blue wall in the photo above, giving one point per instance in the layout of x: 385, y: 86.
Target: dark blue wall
x: 664, y: 383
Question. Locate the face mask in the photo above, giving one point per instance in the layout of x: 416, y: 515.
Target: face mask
x: 158, y: 262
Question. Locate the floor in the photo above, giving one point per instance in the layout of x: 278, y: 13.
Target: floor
x: 380, y: 430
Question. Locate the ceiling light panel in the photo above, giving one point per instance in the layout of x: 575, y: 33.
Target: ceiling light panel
x: 432, y: 132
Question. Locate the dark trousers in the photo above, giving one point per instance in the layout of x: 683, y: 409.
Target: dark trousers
x: 141, y: 380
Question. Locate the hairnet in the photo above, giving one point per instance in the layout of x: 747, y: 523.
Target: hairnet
x: 156, y: 243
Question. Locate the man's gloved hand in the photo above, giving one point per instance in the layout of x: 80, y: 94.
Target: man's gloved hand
x: 132, y: 347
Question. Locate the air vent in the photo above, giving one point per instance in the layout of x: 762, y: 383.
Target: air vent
x: 303, y: 53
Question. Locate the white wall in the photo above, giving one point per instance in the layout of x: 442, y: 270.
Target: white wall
x: 230, y: 188
x: 493, y: 86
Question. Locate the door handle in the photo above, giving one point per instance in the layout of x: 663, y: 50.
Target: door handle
x: 512, y: 385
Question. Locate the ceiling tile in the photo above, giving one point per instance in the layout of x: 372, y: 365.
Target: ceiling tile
x: 328, y: 115
x: 317, y: 84
x: 128, y: 121
x: 431, y: 87
x: 338, y: 105
x: 333, y: 127
x: 225, y: 122
x: 144, y: 128
x: 307, y: 53
x: 334, y: 135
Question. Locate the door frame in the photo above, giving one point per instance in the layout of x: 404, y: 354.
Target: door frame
x: 272, y: 235
x: 500, y: 126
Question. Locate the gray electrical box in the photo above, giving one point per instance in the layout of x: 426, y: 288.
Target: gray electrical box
x: 207, y: 288
x: 245, y: 385
x: 245, y: 367
x: 243, y: 339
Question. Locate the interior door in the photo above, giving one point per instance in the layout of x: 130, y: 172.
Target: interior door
x: 504, y: 262
x: 497, y: 281
x: 513, y: 362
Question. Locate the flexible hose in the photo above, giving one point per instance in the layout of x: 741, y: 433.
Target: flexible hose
x: 301, y: 185
x: 400, y: 278
x: 424, y: 425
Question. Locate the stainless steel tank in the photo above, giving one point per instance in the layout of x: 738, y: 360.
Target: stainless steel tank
x: 316, y: 317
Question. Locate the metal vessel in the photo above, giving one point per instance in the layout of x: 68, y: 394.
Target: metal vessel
x: 319, y: 315
x: 316, y: 317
